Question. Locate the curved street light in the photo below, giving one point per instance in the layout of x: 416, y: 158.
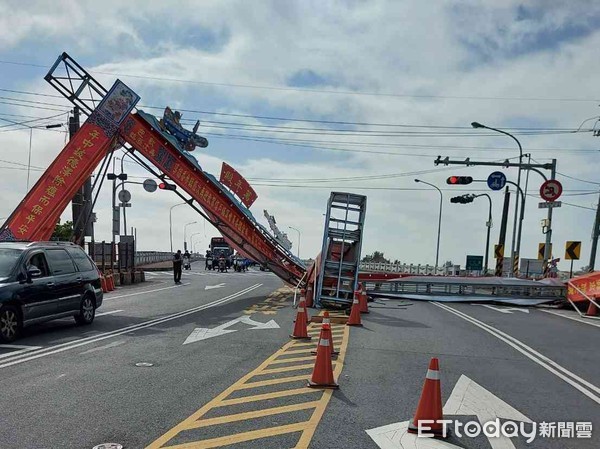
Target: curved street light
x: 516, y: 242
x: 171, y: 222
x: 437, y: 252
x: 184, y: 233
x: 298, y: 249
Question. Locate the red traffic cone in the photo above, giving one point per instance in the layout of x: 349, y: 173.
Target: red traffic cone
x: 103, y: 284
x: 322, y: 375
x: 362, y: 299
x: 592, y: 310
x: 300, y: 330
x: 354, y: 319
x: 110, y: 283
x: 303, y: 300
x: 430, y: 404
x: 326, y: 320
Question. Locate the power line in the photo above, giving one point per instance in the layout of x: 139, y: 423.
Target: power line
x: 319, y: 91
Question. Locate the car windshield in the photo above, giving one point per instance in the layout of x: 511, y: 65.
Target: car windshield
x: 8, y: 258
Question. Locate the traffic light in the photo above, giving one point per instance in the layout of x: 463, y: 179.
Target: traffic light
x: 464, y: 199
x: 167, y: 186
x: 456, y: 180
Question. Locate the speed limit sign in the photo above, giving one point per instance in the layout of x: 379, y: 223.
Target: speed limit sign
x: 551, y: 190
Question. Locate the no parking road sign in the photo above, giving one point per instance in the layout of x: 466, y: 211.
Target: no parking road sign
x: 551, y: 190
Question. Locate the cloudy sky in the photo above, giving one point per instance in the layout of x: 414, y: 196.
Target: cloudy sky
x: 306, y: 97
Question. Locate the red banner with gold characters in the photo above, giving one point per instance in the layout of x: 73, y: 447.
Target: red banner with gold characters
x: 36, y: 216
x: 588, y: 284
x: 238, y: 185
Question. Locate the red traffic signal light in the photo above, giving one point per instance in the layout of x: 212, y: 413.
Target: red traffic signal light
x: 456, y: 180
x: 167, y: 186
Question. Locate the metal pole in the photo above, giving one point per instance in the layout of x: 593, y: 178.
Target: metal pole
x: 522, y: 216
x: 171, y: 223
x: 298, y: 249
x: 547, y: 252
x: 437, y: 252
x: 503, y: 222
x: 489, y: 228
x: 595, y: 234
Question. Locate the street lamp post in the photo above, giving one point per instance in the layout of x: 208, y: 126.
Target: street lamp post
x: 488, y: 224
x: 298, y: 249
x: 184, y: 233
x: 516, y: 243
x: 437, y: 252
x: 171, y: 222
x: 192, y: 239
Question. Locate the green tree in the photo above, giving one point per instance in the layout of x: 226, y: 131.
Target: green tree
x: 63, y: 231
x: 376, y: 257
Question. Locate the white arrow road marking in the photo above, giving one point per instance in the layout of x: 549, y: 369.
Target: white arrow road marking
x: 504, y: 309
x: 203, y: 333
x: 211, y: 287
x: 469, y: 398
x: 258, y: 325
x: 396, y: 436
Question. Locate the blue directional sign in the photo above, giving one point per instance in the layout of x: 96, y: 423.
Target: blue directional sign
x: 496, y: 180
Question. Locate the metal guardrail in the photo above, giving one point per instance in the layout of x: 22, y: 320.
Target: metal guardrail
x: 147, y: 257
x: 403, y: 268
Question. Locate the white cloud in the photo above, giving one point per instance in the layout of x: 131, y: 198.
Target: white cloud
x: 386, y: 47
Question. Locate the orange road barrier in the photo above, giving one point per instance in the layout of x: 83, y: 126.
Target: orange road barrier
x: 430, y: 404
x: 103, y: 284
x: 322, y: 375
x: 300, y: 329
x: 354, y: 319
x: 326, y: 320
x: 362, y: 299
x: 592, y: 310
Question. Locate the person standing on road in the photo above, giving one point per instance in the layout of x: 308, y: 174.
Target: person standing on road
x: 177, y: 261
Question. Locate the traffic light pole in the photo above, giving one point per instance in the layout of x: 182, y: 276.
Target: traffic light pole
x: 547, y: 251
x: 595, y: 234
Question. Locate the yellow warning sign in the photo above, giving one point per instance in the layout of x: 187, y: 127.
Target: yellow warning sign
x: 572, y: 250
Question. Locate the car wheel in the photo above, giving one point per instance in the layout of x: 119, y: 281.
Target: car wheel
x: 10, y: 324
x: 87, y: 311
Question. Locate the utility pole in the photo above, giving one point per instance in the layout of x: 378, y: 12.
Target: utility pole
x: 502, y: 236
x: 595, y: 235
x: 547, y: 252
x: 77, y: 204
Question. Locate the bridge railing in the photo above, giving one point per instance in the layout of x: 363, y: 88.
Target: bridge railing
x: 147, y: 257
x: 404, y: 268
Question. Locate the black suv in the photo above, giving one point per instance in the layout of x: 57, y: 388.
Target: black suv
x: 41, y: 281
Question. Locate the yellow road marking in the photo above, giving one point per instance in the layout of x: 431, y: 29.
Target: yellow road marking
x: 244, y: 436
x: 255, y: 414
x: 265, y: 383
x: 288, y: 368
x: 307, y: 428
x: 262, y: 397
x: 294, y: 359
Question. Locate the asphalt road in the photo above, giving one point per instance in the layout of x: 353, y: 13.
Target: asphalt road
x: 242, y: 383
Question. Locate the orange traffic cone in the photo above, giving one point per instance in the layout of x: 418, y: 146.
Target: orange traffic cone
x: 326, y: 320
x: 300, y: 330
x: 303, y: 300
x: 362, y: 299
x: 430, y: 404
x: 110, y: 286
x: 354, y: 319
x: 322, y: 375
x: 592, y: 310
x: 309, y: 296
x: 103, y: 284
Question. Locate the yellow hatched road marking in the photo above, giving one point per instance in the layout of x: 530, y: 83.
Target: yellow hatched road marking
x: 262, y: 397
x: 306, y: 428
x: 244, y: 436
x: 293, y: 359
x: 265, y: 383
x: 255, y: 414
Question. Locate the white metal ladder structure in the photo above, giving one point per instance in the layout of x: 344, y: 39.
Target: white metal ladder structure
x: 342, y: 239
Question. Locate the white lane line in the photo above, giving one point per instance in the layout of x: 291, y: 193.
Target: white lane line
x: 530, y: 353
x: 581, y: 320
x: 110, y: 312
x: 19, y: 350
x: 103, y: 336
x: 146, y: 291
